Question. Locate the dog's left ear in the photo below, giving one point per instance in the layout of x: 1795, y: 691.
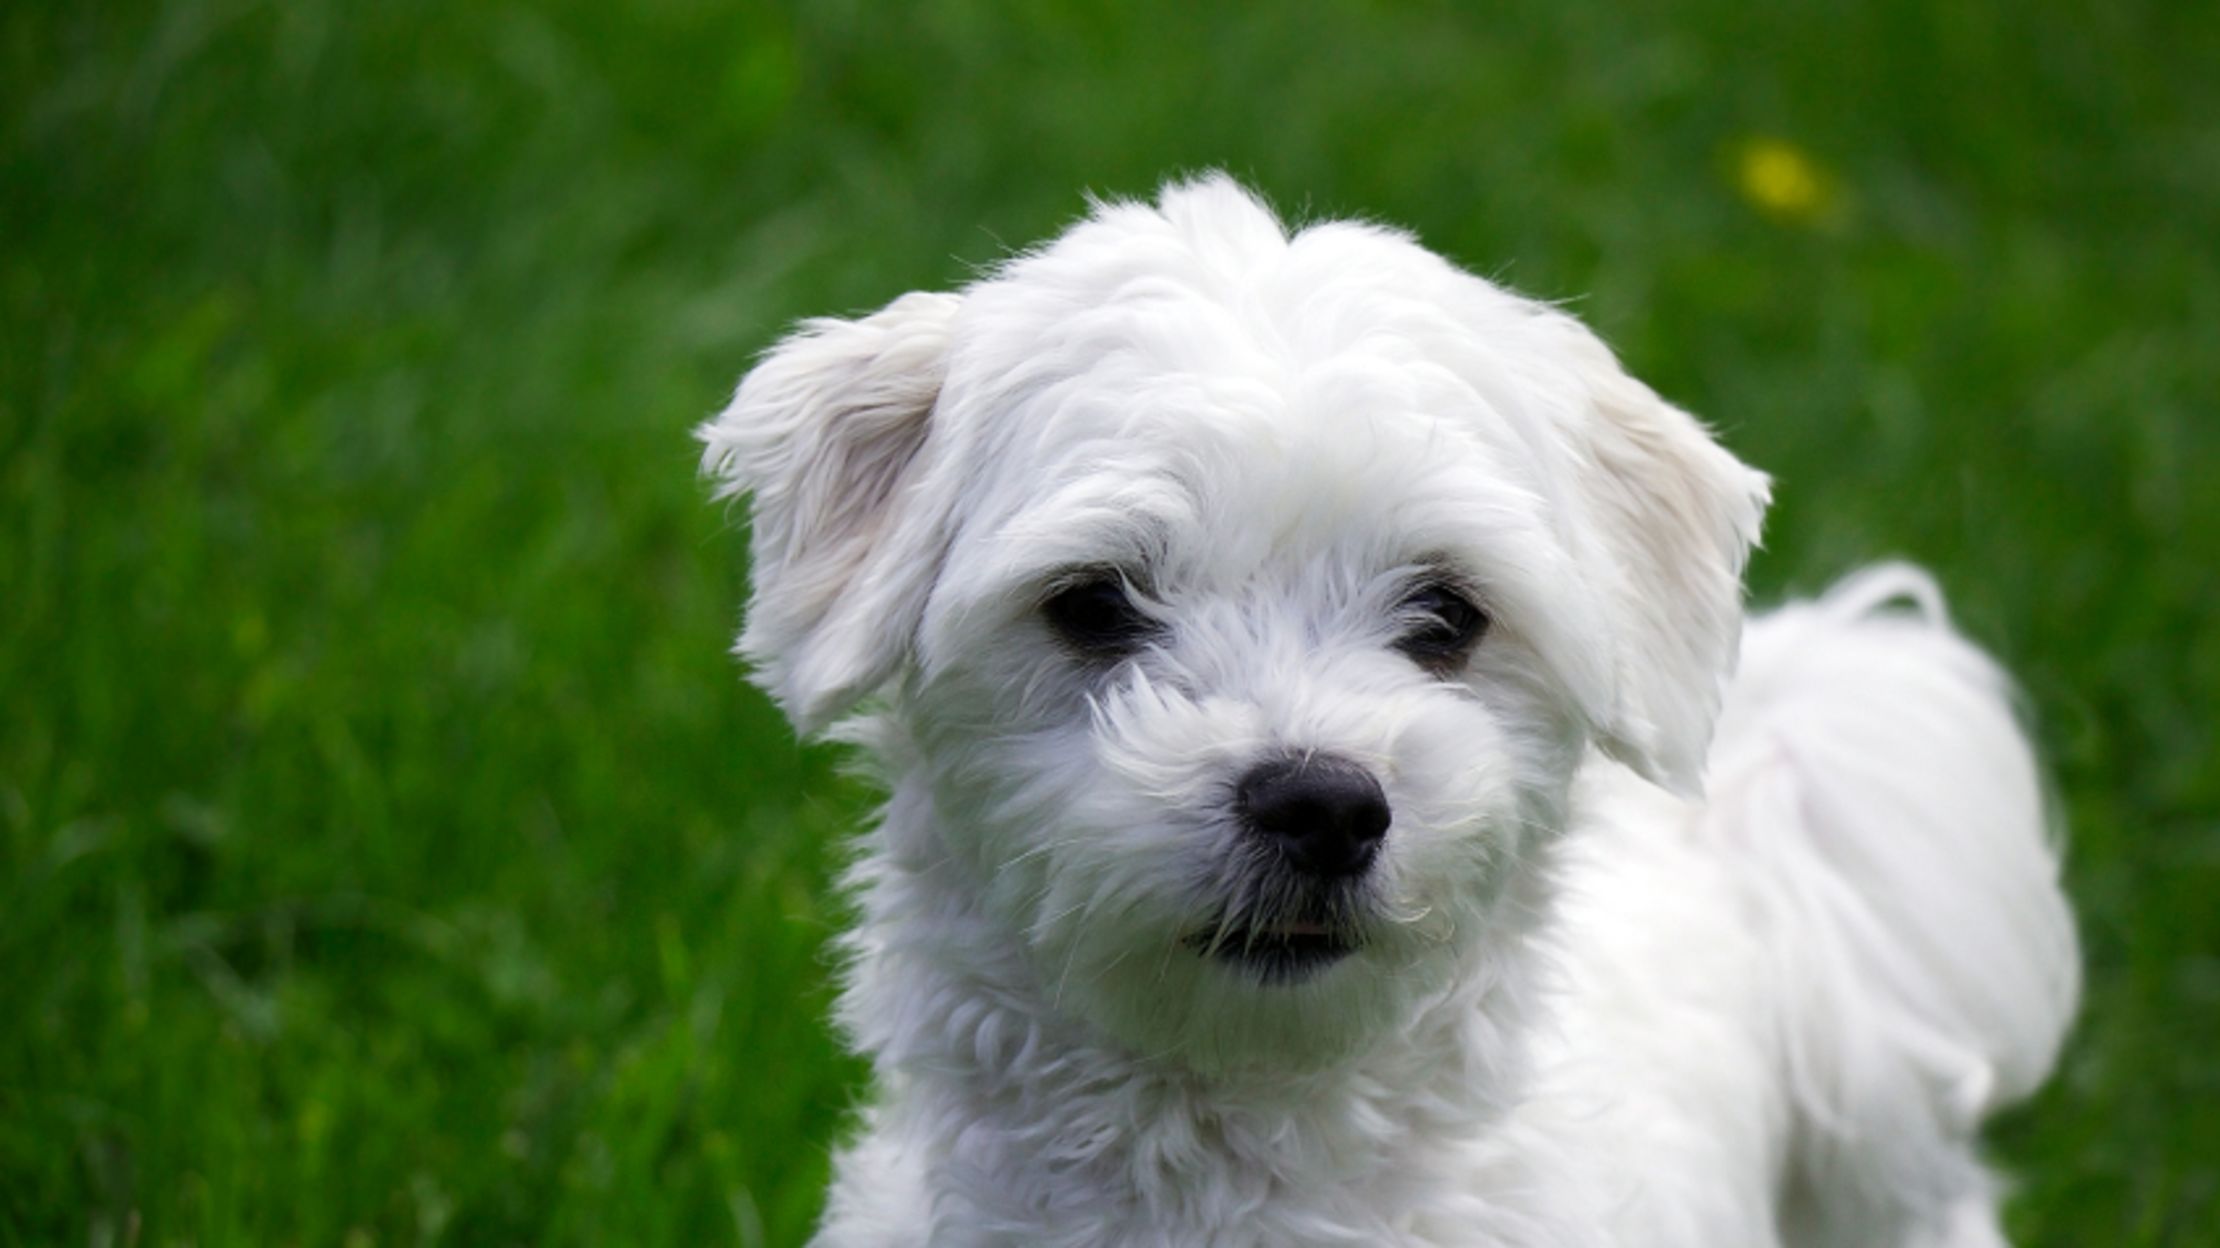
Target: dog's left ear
x: 1675, y: 516
x: 826, y: 435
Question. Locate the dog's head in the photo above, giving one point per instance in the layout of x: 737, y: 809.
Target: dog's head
x: 1249, y: 599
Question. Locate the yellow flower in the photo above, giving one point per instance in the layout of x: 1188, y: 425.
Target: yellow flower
x: 1781, y: 181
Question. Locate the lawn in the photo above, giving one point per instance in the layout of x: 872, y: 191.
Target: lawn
x: 389, y: 850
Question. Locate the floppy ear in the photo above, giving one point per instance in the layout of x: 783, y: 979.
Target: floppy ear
x: 825, y: 434
x: 1675, y: 516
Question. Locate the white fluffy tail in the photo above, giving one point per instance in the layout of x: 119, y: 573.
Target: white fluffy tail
x: 1870, y: 771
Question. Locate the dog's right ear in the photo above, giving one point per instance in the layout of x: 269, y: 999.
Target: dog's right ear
x: 826, y: 434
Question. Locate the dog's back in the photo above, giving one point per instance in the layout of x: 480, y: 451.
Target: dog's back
x: 1870, y: 773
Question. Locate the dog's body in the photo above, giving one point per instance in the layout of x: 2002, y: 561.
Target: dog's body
x: 1307, y: 825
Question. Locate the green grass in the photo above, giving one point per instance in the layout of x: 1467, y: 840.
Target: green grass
x: 389, y: 851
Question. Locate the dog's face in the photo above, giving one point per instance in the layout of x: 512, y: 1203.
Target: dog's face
x: 1248, y: 602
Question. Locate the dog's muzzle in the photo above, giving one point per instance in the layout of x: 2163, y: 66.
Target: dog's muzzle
x: 1318, y: 822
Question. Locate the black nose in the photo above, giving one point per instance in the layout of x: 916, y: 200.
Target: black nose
x: 1326, y: 814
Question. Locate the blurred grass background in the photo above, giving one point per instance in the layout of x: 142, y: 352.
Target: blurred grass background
x: 389, y: 852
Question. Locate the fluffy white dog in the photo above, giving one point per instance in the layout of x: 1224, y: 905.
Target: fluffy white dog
x: 1334, y: 799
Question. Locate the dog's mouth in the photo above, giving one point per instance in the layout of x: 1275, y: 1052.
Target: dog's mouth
x: 1285, y: 951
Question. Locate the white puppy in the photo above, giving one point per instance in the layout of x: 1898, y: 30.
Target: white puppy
x: 1295, y: 665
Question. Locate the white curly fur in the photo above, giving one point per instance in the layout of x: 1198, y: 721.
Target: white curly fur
x: 1591, y: 1005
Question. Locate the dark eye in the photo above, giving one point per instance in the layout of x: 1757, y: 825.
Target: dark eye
x: 1096, y: 617
x: 1442, y: 626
